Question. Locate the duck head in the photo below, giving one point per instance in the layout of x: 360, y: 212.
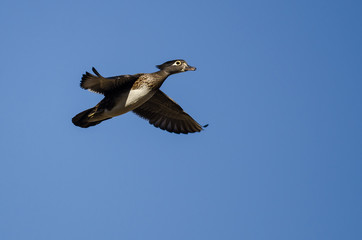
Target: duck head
x: 175, y: 66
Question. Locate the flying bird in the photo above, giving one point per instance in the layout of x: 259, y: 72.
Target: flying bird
x: 141, y: 94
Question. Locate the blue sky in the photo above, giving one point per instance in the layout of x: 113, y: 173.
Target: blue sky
x: 279, y: 82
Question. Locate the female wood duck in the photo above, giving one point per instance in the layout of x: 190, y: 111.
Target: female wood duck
x: 138, y: 93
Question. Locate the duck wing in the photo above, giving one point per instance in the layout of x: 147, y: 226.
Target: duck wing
x: 165, y: 113
x: 99, y: 84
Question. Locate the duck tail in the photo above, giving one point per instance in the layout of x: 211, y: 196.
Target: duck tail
x: 82, y: 119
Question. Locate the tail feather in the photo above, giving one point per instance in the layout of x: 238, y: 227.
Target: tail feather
x: 82, y: 119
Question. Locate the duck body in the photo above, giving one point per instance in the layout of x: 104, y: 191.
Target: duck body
x: 139, y: 93
x: 127, y: 101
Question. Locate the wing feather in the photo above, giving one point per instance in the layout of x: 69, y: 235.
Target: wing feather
x: 164, y: 113
x: 99, y: 84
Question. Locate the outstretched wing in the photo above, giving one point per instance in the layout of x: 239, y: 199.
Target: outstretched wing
x: 164, y: 113
x: 99, y: 84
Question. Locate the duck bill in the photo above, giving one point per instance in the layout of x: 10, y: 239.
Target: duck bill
x: 189, y: 68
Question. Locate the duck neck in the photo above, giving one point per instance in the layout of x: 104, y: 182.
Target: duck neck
x: 161, y: 77
x: 163, y: 74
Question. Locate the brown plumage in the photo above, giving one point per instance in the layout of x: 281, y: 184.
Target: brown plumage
x: 138, y: 93
x: 164, y: 113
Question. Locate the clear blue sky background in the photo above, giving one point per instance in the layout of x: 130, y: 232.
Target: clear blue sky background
x: 279, y: 82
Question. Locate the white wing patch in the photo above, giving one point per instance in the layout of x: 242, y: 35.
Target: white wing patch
x: 130, y: 100
x: 138, y: 95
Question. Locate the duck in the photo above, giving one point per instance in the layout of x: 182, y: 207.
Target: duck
x: 141, y: 94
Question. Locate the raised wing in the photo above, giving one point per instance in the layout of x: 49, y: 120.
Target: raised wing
x: 99, y: 84
x: 164, y: 113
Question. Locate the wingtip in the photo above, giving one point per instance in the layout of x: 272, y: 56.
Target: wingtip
x: 96, y: 72
x: 205, y: 126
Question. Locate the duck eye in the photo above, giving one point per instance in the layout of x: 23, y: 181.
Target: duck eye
x: 178, y: 63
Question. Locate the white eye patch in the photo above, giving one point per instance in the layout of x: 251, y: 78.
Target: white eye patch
x: 177, y: 63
